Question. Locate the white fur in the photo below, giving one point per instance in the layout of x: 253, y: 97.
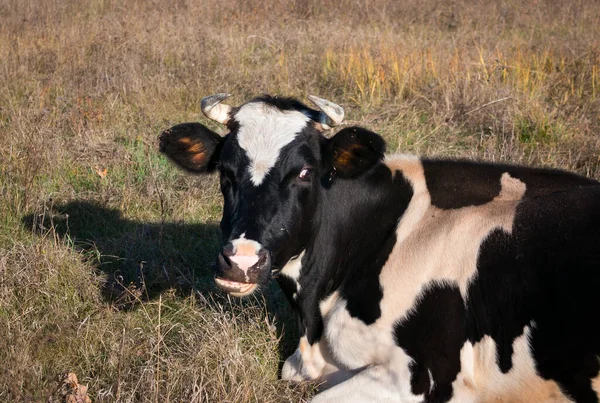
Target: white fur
x: 375, y: 384
x: 481, y: 380
x: 307, y: 363
x: 243, y: 242
x: 264, y: 131
x: 314, y: 363
x: 355, y: 345
x: 292, y: 270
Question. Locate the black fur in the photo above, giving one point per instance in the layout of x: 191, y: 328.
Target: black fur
x: 433, y: 335
x: 456, y: 184
x: 288, y: 104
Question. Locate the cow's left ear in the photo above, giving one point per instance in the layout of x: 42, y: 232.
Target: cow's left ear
x: 192, y: 146
x: 352, y: 151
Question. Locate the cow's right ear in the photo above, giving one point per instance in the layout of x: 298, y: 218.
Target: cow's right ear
x: 192, y: 147
x: 352, y: 151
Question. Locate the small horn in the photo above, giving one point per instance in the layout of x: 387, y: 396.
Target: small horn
x: 213, y: 108
x: 332, y: 114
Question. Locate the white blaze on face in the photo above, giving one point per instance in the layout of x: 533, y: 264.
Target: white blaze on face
x: 264, y: 131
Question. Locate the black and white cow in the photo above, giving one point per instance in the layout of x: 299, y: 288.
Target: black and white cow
x: 414, y: 279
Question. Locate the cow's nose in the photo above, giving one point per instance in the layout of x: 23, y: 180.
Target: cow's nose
x: 245, y: 261
x: 232, y: 259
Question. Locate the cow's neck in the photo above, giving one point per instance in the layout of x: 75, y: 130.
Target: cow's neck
x: 355, y: 230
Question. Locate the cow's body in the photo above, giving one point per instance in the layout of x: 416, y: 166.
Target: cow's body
x: 424, y: 280
x: 465, y: 299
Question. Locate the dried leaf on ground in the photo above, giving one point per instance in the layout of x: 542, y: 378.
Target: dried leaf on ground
x: 72, y: 392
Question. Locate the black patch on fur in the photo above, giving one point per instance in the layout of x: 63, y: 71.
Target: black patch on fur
x: 308, y: 299
x: 461, y: 183
x: 364, y: 296
x: 456, y: 184
x: 545, y: 181
x: 545, y: 275
x: 283, y: 103
x: 288, y: 104
x: 379, y: 202
x: 432, y: 335
x: 498, y: 305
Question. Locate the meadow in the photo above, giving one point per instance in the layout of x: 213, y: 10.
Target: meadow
x: 106, y: 248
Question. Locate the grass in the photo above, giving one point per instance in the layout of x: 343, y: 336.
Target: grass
x: 106, y: 249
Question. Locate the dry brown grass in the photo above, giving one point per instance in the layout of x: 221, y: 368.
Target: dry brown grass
x: 105, y: 248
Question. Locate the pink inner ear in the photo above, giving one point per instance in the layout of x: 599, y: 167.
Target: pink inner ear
x: 198, y: 158
x: 244, y: 262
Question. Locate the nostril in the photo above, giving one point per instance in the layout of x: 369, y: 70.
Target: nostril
x: 228, y: 249
x: 224, y: 262
x: 263, y: 256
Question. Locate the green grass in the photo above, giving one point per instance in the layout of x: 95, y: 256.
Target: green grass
x: 110, y: 277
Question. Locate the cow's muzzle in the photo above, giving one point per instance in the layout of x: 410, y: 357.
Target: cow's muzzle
x: 241, y: 266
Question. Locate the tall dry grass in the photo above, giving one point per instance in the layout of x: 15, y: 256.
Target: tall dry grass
x: 105, y: 249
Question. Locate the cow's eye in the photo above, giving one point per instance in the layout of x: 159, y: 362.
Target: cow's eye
x: 305, y: 173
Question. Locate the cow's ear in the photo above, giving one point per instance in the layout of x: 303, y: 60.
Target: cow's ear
x: 192, y: 146
x: 352, y: 151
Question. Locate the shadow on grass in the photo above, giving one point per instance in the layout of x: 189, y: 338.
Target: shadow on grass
x: 145, y: 257
x: 141, y: 260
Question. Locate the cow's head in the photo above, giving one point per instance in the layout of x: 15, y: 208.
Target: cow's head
x: 274, y: 164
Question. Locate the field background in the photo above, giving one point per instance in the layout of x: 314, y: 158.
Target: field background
x: 105, y: 248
